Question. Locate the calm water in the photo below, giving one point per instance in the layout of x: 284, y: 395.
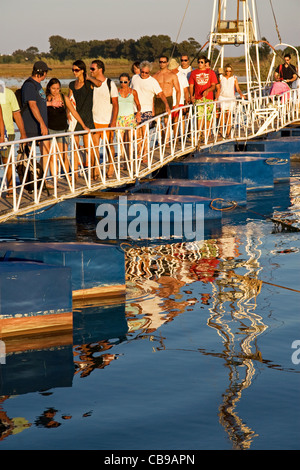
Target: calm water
x: 198, y: 357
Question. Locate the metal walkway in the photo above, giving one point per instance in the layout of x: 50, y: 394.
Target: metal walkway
x: 71, y: 169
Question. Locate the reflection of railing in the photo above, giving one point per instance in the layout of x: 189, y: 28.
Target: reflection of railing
x: 70, y: 169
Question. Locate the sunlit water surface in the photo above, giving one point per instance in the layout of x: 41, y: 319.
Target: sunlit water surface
x: 198, y: 357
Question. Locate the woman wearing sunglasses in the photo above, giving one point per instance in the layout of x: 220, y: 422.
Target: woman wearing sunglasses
x: 226, y: 96
x: 129, y: 114
x: 81, y: 92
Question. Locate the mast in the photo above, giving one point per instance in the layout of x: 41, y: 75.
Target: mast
x: 238, y: 31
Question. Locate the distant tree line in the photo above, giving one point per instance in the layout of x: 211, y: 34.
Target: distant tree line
x: 146, y: 48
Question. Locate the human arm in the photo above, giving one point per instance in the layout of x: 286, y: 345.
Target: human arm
x: 191, y: 86
x: 293, y: 79
x: 162, y: 96
x: 237, y: 87
x: 1, y: 126
x: 115, y: 110
x: 186, y: 93
x: 20, y: 123
x: 37, y: 115
x: 56, y: 103
x: 208, y: 90
x: 138, y: 106
x: 73, y: 111
x: 218, y: 91
x: 211, y: 84
x: 177, y: 89
x: 97, y: 83
x: 276, y: 77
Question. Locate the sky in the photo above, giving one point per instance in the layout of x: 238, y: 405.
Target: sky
x: 28, y: 23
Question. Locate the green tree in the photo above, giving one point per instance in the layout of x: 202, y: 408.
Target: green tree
x: 188, y: 47
x: 152, y: 47
x: 59, y: 47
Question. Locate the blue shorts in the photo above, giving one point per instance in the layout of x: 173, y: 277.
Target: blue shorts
x: 146, y: 116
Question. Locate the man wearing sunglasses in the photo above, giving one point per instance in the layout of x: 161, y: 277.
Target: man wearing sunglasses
x: 168, y: 82
x: 286, y: 72
x: 202, y: 83
x: 147, y: 88
x: 105, y: 106
x: 185, y: 66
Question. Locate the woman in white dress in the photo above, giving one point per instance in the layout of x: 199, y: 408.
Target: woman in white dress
x: 226, y: 96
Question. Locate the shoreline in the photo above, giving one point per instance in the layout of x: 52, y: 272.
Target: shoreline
x: 113, y: 67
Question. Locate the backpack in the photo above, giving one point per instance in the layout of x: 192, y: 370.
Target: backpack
x: 109, y: 87
x: 18, y: 94
x: 22, y: 164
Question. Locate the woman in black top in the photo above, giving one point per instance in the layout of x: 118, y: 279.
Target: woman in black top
x: 58, y: 107
x: 81, y: 90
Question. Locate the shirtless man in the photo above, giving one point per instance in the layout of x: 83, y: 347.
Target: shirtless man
x: 167, y: 80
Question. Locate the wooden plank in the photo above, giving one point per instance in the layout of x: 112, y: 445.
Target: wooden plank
x: 100, y: 292
x: 37, y: 342
x: 36, y: 324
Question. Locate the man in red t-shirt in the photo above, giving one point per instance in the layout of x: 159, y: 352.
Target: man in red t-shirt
x: 202, y: 83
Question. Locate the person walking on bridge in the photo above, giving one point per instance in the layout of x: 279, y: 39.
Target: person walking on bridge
x: 81, y: 92
x: 105, y: 110
x: 34, y: 108
x: 11, y: 113
x: 202, y: 83
x: 147, y: 88
x: 168, y: 82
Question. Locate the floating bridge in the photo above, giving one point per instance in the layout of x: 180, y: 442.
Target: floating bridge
x: 138, y: 154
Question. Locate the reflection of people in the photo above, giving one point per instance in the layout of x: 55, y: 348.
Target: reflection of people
x: 286, y: 71
x: 11, y: 112
x: 47, y: 419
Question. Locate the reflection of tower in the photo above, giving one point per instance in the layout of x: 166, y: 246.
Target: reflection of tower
x: 233, y: 317
x: 236, y: 27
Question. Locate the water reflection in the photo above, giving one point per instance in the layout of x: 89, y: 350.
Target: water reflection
x: 166, y: 271
x: 163, y: 282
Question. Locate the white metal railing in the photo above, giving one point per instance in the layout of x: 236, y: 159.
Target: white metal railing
x: 70, y: 169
